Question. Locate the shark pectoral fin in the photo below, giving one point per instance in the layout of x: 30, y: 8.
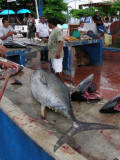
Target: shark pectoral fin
x: 42, y: 110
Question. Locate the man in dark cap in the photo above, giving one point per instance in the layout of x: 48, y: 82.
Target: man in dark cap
x: 99, y: 23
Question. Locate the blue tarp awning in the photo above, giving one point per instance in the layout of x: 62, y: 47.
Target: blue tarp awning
x: 65, y: 26
x: 21, y: 11
x: 58, y: 25
x: 5, y: 12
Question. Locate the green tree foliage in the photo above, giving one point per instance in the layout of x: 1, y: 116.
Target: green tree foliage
x: 82, y: 13
x: 54, y: 8
x: 115, y: 8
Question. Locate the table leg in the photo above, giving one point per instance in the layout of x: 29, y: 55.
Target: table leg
x: 69, y: 59
x: 22, y: 57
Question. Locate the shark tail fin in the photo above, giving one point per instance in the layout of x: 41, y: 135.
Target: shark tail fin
x: 78, y: 127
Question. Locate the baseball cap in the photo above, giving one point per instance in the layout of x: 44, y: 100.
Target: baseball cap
x: 96, y: 10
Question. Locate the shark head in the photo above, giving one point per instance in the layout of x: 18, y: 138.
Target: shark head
x: 82, y: 88
x: 112, y: 106
x: 85, y: 83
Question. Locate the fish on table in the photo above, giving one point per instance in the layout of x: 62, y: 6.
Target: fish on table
x: 86, y: 90
x: 6, y: 75
x: 112, y: 106
x: 11, y: 71
x: 16, y: 82
x: 49, y: 90
x: 14, y: 44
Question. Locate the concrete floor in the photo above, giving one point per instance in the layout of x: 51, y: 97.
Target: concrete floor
x: 95, y: 145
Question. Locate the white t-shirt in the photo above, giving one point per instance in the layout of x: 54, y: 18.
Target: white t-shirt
x: 4, y: 31
x: 43, y: 30
x: 106, y: 25
x: 82, y: 29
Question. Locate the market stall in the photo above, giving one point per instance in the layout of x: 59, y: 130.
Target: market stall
x: 93, y: 47
x: 19, y: 55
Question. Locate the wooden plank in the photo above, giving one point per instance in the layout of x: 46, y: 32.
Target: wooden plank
x: 111, y: 49
x: 95, y: 145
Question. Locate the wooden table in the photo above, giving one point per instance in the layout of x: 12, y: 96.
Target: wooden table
x: 19, y: 55
x: 93, y: 48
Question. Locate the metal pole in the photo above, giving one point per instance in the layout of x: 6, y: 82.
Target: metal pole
x: 75, y: 4
x: 36, y: 4
x: 67, y: 15
x: 8, y: 10
x: 75, y: 8
x: 40, y: 8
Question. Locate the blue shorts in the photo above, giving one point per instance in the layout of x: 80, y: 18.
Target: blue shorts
x: 101, y: 29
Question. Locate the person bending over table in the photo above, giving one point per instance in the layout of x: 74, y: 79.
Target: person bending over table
x: 6, y: 32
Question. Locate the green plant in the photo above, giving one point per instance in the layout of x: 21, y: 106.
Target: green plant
x: 54, y: 8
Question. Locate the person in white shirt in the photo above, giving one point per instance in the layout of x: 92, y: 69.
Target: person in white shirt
x: 6, y: 32
x: 107, y: 25
x: 82, y: 29
x: 43, y: 33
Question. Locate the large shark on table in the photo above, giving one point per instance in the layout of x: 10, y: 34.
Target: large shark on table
x: 49, y: 90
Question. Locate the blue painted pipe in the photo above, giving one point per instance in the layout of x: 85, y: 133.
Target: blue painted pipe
x: 40, y: 7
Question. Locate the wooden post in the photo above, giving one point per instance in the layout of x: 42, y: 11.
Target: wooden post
x: 4, y: 85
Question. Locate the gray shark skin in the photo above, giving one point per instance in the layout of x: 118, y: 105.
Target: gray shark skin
x: 110, y: 106
x: 49, y: 90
